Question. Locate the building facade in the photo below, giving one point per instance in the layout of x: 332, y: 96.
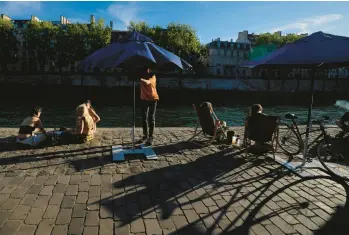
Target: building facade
x: 224, y: 57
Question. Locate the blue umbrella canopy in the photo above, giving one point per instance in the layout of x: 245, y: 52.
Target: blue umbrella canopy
x: 133, y: 50
x: 318, y: 48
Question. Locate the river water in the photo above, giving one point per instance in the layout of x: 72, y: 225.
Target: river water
x: 166, y: 116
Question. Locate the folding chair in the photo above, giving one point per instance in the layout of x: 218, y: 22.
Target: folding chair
x: 261, y: 129
x: 210, y: 124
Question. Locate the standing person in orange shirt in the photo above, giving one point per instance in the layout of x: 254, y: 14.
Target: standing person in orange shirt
x: 149, y: 99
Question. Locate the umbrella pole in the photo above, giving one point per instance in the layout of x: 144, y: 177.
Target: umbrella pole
x: 306, y: 140
x: 134, y: 110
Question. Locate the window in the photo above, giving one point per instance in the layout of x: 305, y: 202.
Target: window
x: 218, y: 71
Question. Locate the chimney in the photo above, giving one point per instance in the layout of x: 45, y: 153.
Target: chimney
x: 92, y: 20
x: 111, y: 24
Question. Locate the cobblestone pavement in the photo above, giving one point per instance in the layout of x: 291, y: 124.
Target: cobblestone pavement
x: 77, y: 189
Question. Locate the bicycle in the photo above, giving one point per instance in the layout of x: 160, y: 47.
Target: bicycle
x: 329, y: 152
x: 290, y: 138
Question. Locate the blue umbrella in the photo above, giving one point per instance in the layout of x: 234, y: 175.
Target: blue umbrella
x: 133, y: 50
x: 317, y: 49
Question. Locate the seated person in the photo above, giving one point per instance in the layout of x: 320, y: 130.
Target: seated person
x: 208, y: 119
x: 92, y: 113
x: 255, y: 110
x: 31, y: 131
x: 252, y: 119
x: 84, y: 130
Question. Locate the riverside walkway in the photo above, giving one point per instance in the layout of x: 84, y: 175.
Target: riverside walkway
x: 78, y: 189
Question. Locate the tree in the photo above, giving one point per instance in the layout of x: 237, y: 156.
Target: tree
x: 41, y: 38
x: 8, y: 43
x: 98, y: 36
x: 279, y: 41
x: 181, y: 39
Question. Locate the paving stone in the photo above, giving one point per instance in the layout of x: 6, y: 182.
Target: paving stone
x: 56, y: 199
x: 35, y: 189
x: 27, y: 230
x: 75, y: 179
x: 68, y: 201
x: 4, y: 215
x: 41, y: 202
x: 191, y: 216
x: 200, y: 207
x: 60, y: 230
x: 273, y: 229
x: 94, y: 191
x: 64, y: 217
x: 19, y: 193
x: 121, y: 228
x: 46, y: 190
x: 10, y: 227
x: 105, y: 212
x: 137, y: 225
x: 20, y: 213
x: 51, y: 212
x: 93, y: 203
x: 95, y: 180
x: 84, y: 187
x: 79, y: 211
x: 45, y: 227
x: 152, y: 226
x: 92, y: 218
x: 106, y: 227
x: 34, y: 216
x: 179, y: 221
x: 27, y: 182
x: 76, y: 226
x: 60, y: 188
x: 52, y: 180
x: 64, y: 179
x: 82, y: 198
x: 93, y: 231
x: 10, y: 204
x: 3, y: 198
x: 72, y: 190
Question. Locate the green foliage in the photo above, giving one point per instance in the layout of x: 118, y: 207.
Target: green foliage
x: 65, y: 43
x: 41, y: 37
x: 279, y: 41
x: 8, y: 42
x: 180, y: 39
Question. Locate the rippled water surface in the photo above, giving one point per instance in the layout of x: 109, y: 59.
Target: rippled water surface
x: 179, y: 116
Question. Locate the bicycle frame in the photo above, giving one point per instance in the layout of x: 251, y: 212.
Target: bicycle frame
x: 320, y: 136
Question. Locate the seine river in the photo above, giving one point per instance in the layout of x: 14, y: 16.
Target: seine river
x: 167, y: 116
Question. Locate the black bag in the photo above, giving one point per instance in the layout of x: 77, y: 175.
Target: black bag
x: 230, y: 135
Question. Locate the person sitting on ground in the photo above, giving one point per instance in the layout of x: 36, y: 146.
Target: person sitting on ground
x: 92, y: 113
x: 84, y: 130
x: 31, y: 131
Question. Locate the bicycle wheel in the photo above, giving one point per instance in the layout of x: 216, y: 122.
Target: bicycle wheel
x: 289, y: 140
x: 333, y: 158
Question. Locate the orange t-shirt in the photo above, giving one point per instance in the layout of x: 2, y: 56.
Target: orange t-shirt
x: 148, y: 91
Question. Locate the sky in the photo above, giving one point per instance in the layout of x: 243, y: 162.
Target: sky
x: 211, y: 20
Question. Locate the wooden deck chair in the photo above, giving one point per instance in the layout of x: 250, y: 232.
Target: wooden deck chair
x: 211, y: 127
x: 262, y: 129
